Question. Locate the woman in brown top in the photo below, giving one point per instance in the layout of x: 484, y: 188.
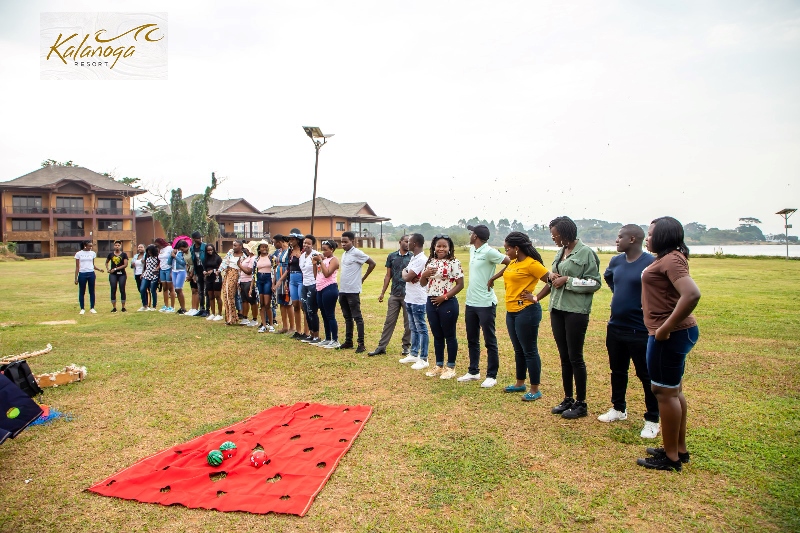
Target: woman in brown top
x: 669, y: 295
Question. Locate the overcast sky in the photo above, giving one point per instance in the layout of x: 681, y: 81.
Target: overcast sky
x: 622, y: 111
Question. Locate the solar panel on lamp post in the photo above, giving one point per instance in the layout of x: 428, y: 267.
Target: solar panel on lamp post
x: 786, y: 213
x: 315, y: 134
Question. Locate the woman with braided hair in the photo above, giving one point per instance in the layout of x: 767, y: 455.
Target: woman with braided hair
x: 523, y: 311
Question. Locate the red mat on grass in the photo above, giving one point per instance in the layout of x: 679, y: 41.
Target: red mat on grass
x: 304, y: 443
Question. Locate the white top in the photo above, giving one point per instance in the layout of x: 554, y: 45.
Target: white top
x: 165, y: 258
x: 138, y: 264
x: 350, y: 280
x: 307, y: 267
x: 415, y: 293
x: 86, y: 258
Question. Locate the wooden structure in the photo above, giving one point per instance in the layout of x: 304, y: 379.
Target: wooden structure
x: 49, y: 211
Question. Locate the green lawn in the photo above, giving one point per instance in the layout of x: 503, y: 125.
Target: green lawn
x: 436, y: 455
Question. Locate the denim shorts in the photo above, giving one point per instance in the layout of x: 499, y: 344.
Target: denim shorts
x: 295, y: 285
x: 178, y: 278
x: 165, y: 275
x: 264, y: 284
x: 666, y: 360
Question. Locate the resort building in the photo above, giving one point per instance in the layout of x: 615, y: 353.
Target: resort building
x: 50, y: 211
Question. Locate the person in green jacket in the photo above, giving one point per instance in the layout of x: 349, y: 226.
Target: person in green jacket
x: 574, y: 278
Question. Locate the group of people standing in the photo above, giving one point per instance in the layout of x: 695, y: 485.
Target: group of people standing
x: 650, y: 324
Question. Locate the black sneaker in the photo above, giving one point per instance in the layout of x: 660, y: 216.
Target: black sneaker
x: 361, y: 348
x: 578, y: 410
x: 203, y: 313
x: 181, y: 311
x: 114, y: 310
x: 124, y: 310
x: 297, y: 336
x: 405, y: 352
x: 345, y: 346
x: 307, y: 338
x: 563, y: 406
x: 660, y: 463
x: 659, y: 452
x: 315, y: 340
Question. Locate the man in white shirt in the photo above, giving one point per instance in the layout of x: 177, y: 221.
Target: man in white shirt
x: 350, y: 290
x: 415, y: 300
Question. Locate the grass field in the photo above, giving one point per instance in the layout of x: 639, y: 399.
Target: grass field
x: 436, y: 455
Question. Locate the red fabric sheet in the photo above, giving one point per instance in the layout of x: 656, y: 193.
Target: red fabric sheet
x: 304, y: 443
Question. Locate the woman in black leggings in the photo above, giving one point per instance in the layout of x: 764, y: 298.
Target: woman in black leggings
x: 573, y: 280
x: 117, y: 274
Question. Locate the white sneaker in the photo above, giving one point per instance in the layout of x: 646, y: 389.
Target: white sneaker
x: 420, y: 364
x: 409, y: 359
x: 448, y: 373
x: 333, y: 344
x: 211, y: 317
x: 152, y: 309
x: 83, y: 312
x: 262, y: 329
x: 93, y: 311
x: 469, y: 377
x: 270, y: 329
x: 244, y: 322
x: 322, y: 344
x: 143, y: 308
x: 651, y: 430
x: 192, y: 312
x: 613, y: 415
x: 489, y: 383
x: 253, y: 323
x: 217, y: 318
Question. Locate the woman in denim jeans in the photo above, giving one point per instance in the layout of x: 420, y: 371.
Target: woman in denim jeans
x: 443, y: 278
x: 523, y: 312
x: 669, y: 295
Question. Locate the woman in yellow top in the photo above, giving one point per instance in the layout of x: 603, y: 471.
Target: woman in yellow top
x: 523, y: 312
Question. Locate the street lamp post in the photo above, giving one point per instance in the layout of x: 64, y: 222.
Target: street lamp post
x: 315, y: 134
x: 786, y: 213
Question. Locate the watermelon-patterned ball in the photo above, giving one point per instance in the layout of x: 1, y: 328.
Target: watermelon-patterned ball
x: 227, y: 445
x: 214, y: 458
x: 258, y: 459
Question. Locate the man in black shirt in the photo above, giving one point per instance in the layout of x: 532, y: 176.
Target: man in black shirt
x: 395, y: 263
x: 199, y: 295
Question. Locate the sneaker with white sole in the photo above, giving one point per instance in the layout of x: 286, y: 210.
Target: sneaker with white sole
x: 252, y: 323
x: 332, y: 345
x: 420, y: 364
x: 192, y: 312
x: 613, y: 415
x: 217, y: 318
x: 409, y: 359
x: 152, y: 309
x: 469, y: 377
x: 489, y: 383
x: 324, y: 343
x: 163, y: 309
x: 650, y: 430
x: 262, y: 329
x: 211, y: 317
x: 448, y: 373
x: 244, y: 322
x: 434, y: 372
x: 83, y: 312
x: 141, y: 309
x: 93, y: 311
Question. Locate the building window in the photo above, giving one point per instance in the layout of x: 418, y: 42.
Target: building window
x: 67, y: 248
x: 104, y: 248
x: 109, y: 225
x: 29, y: 247
x: 69, y: 204
x: 69, y: 228
x: 26, y: 225
x: 109, y: 206
x: 340, y: 226
x: 26, y: 204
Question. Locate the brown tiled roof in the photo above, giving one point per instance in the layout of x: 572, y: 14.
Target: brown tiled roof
x: 324, y: 208
x: 217, y: 207
x: 51, y: 176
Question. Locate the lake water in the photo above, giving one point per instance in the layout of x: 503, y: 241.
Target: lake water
x: 731, y: 249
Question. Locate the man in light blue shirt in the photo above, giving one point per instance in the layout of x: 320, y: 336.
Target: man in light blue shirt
x: 481, y: 306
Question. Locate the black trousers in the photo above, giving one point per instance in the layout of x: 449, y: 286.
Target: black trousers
x: 625, y: 345
x: 351, y: 311
x: 569, y: 331
x: 201, y: 292
x: 477, y: 319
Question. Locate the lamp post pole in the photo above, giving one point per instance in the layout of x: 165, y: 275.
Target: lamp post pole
x: 786, y: 213
x: 315, y: 134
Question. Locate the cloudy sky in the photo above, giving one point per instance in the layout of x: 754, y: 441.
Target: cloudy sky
x: 442, y: 110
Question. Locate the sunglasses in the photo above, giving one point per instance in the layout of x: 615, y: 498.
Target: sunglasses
x: 441, y: 236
